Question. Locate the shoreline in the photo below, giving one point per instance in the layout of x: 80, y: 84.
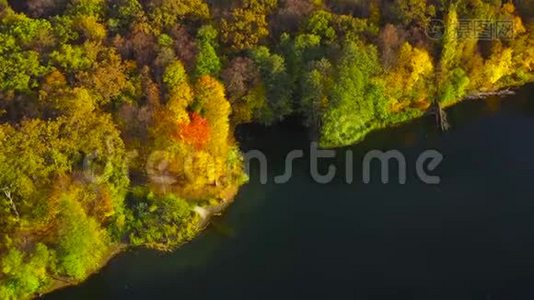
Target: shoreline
x: 59, y: 284
x: 214, y: 210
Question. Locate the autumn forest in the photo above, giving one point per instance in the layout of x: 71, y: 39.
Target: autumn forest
x: 117, y: 117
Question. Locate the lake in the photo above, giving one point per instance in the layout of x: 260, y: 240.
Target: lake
x: 470, y: 237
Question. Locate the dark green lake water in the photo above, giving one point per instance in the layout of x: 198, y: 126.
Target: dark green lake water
x: 471, y: 237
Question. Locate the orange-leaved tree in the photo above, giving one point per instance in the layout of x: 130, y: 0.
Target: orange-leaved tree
x: 196, y: 132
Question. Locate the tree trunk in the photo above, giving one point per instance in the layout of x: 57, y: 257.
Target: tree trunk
x: 11, y: 202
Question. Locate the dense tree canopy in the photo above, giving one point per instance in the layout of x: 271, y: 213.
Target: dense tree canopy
x: 116, y: 116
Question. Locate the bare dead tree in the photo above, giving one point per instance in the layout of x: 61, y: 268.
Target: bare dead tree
x: 8, y: 194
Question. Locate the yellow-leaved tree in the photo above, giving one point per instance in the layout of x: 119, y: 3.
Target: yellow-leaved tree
x: 498, y: 65
x: 191, y: 133
x: 216, y: 109
x: 408, y: 79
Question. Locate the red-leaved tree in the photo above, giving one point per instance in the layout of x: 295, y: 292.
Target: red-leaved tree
x: 196, y: 132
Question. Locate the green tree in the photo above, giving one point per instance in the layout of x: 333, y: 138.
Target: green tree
x: 320, y: 24
x: 82, y: 243
x: 418, y: 12
x: 352, y: 105
x: 449, y: 54
x: 166, y: 13
x: 162, y: 222
x: 20, y: 63
x: 316, y: 86
x: 244, y: 29
x: 454, y: 89
x: 277, y: 85
x: 207, y: 61
x: 245, y: 91
x: 94, y: 8
x: 23, y: 275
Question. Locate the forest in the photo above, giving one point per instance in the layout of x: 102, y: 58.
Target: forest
x: 117, y: 117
